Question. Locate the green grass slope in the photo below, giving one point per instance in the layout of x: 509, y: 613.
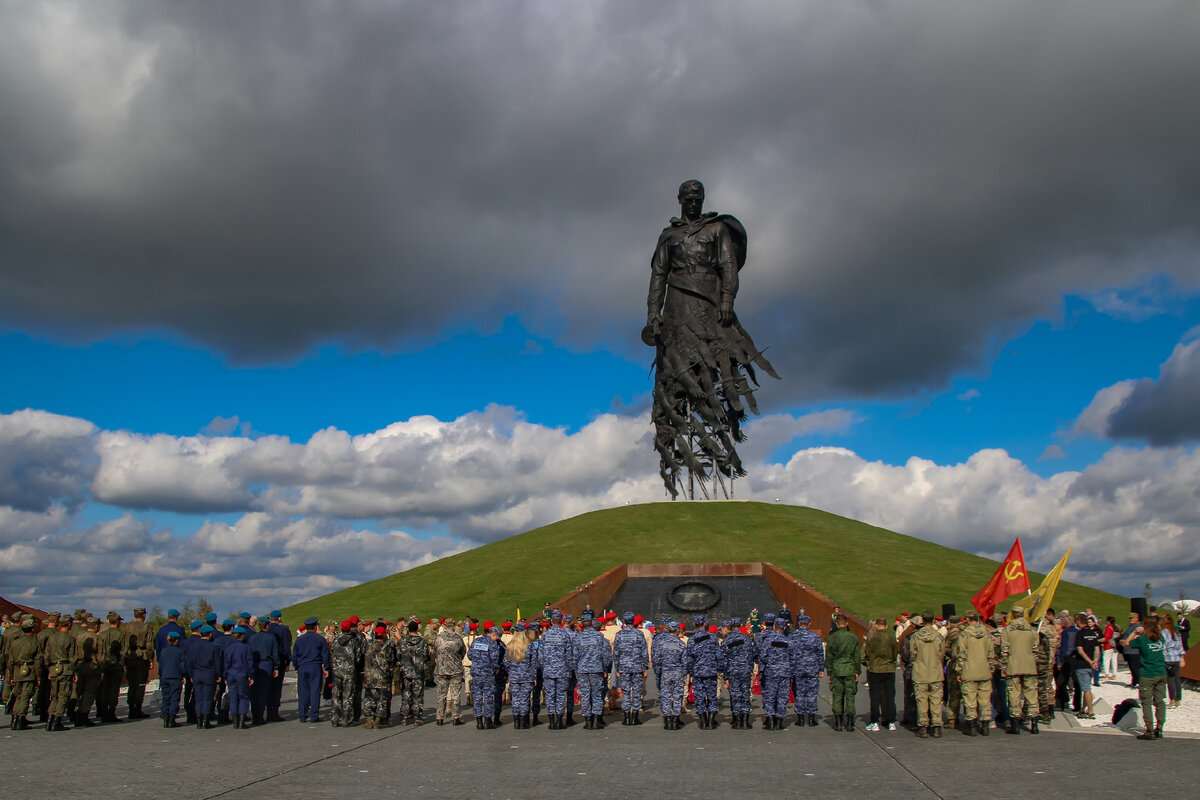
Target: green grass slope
x: 867, y: 570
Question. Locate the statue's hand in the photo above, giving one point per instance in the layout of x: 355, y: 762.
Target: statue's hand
x: 725, y: 314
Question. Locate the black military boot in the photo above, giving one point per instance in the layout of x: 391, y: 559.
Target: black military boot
x: 626, y: 722
x: 587, y: 722
x: 813, y: 721
x: 164, y: 719
x: 479, y: 723
x: 22, y: 723
x: 171, y: 722
x: 850, y: 722
x: 600, y: 723
x: 199, y: 723
x: 570, y: 719
x: 937, y: 732
x: 1014, y: 725
x: 747, y: 725
x: 837, y: 722
x: 208, y: 722
x: 985, y: 727
x: 969, y: 727
x: 536, y: 721
x: 1033, y: 725
x: 922, y: 732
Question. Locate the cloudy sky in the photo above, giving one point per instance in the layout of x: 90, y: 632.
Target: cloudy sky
x: 294, y: 295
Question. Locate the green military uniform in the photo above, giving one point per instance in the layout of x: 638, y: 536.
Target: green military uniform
x: 22, y: 664
x: 975, y: 659
x: 953, y: 687
x: 1048, y: 641
x: 59, y: 657
x: 110, y: 657
x: 11, y: 633
x: 843, y: 659
x: 87, y: 671
x: 1018, y: 644
x: 42, y: 703
x: 429, y: 634
x: 928, y: 648
x: 138, y: 646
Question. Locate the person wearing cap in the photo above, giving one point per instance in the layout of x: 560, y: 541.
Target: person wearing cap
x: 11, y: 631
x: 413, y: 655
x: 775, y: 666
x: 172, y: 666
x: 484, y: 654
x: 41, y: 700
x: 593, y: 658
x: 737, y: 658
x: 430, y: 633
x: 283, y: 635
x: 807, y: 656
x: 448, y: 654
x: 189, y: 645
x: 264, y: 649
x: 138, y: 646
x: 172, y: 624
x: 87, y: 672
x: 237, y: 666
x: 222, y: 638
x: 927, y: 650
x: 667, y: 654
x: 501, y: 677
x: 346, y: 660
x: 701, y: 660
x: 205, y: 668
x: 58, y: 659
x: 111, y: 658
x: 974, y: 662
x: 23, y: 664
x: 520, y: 662
x: 1018, y: 664
x: 379, y: 663
x: 843, y: 663
x: 557, y: 656
x: 631, y: 657
x: 310, y: 654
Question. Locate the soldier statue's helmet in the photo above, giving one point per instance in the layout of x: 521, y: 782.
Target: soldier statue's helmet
x: 691, y: 189
x: 627, y: 617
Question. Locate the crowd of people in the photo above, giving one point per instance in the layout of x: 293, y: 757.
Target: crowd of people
x: 970, y: 674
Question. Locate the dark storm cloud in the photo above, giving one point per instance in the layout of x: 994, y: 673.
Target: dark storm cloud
x: 1162, y: 412
x: 919, y: 180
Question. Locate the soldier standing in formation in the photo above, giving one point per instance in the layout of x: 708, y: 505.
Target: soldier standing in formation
x: 172, y: 666
x: 310, y: 654
x: 975, y: 660
x: 346, y: 654
x: 593, y: 659
x: 264, y: 651
x: 928, y: 649
x: 379, y: 661
x: 413, y: 657
x: 59, y: 659
x: 22, y: 664
x: 112, y: 668
x: 737, y: 655
x: 843, y: 661
x: 631, y: 657
x: 138, y: 646
x: 702, y: 659
x: 205, y: 668
x: 521, y: 662
x: 1018, y: 663
x: 557, y: 652
x: 448, y: 653
x: 667, y: 655
x: 484, y: 654
x: 775, y: 668
x: 808, y: 665
x: 237, y: 665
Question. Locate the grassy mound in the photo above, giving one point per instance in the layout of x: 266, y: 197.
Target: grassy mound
x: 869, y: 571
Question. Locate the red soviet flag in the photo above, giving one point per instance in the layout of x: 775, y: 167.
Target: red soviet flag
x: 1008, y: 580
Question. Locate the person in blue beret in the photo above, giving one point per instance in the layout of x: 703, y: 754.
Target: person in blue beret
x: 239, y: 672
x: 189, y: 644
x: 172, y: 666
x: 283, y: 635
x: 222, y: 638
x: 310, y: 655
x: 172, y: 624
x: 205, y: 669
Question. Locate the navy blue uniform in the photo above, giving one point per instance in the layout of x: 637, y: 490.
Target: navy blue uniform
x: 265, y: 649
x: 310, y: 654
x: 239, y: 668
x: 283, y: 636
x: 172, y: 666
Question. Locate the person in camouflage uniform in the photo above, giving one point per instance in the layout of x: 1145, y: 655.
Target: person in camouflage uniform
x: 22, y: 665
x: 593, y: 659
x: 631, y: 657
x: 775, y: 667
x: 1049, y: 639
x: 521, y: 663
x: 111, y: 658
x: 843, y: 662
x: 557, y: 657
x: 379, y: 661
x: 1018, y: 662
x: 414, y: 656
x: 974, y: 660
x: 87, y: 671
x: 430, y: 633
x: 41, y: 702
x: 807, y: 655
x: 953, y: 699
x: 11, y: 633
x: 59, y: 659
x: 737, y: 656
x: 928, y: 650
x: 138, y: 646
x: 346, y: 659
x: 667, y: 655
x: 484, y: 655
x: 702, y: 660
x: 448, y: 653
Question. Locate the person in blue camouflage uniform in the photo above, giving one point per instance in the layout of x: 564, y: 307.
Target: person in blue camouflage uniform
x: 808, y: 664
x: 484, y: 655
x: 775, y: 666
x: 659, y: 630
x: 631, y: 657
x: 737, y: 658
x: 667, y: 654
x: 521, y: 663
x: 535, y: 697
x: 557, y: 657
x: 501, y: 679
x: 703, y: 662
x: 593, y: 658
x: 573, y: 678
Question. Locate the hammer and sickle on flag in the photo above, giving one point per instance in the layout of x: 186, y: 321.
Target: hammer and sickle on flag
x: 1008, y: 580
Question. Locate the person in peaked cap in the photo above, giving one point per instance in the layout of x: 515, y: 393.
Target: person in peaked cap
x: 484, y: 654
x: 24, y: 663
x: 172, y: 624
x: 42, y: 698
x: 808, y: 664
x: 773, y: 652
x: 631, y: 657
x: 283, y: 635
x: 593, y: 659
x: 264, y: 648
x: 205, y: 667
x: 138, y: 646
x: 449, y: 651
x: 573, y: 678
x: 238, y: 666
x: 172, y: 666
x: 112, y: 668
x: 310, y: 654
x: 557, y: 655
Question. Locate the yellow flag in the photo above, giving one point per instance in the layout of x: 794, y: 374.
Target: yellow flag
x: 1043, y: 596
